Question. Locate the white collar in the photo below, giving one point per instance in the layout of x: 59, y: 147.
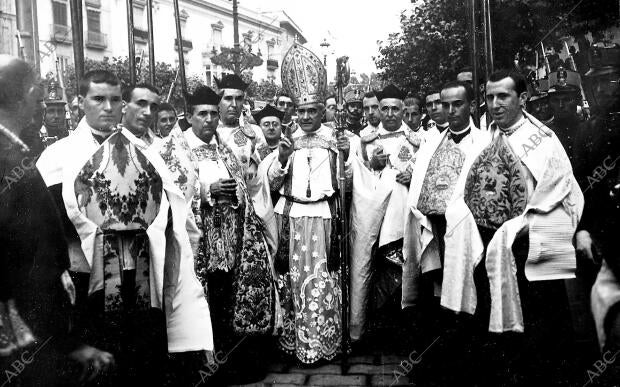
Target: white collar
x: 514, y: 127
x: 321, y: 129
x: 460, y: 131
x: 194, y: 141
x: 382, y: 130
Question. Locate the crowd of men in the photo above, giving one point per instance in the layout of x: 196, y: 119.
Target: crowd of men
x: 139, y: 248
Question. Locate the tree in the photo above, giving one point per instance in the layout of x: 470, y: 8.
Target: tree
x: 164, y: 77
x: 432, y: 45
x: 429, y: 49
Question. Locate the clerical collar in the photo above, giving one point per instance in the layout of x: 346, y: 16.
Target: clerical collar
x: 194, y: 140
x: 381, y: 130
x: 99, y: 135
x: 312, y: 133
x: 458, y: 136
x: 235, y: 125
x: 442, y: 127
x: 514, y: 127
x: 148, y: 137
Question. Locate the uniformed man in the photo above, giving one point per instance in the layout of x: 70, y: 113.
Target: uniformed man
x: 354, y: 109
x: 563, y: 100
x: 54, y: 120
x: 538, y: 103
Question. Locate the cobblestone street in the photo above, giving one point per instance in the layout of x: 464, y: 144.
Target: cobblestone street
x: 365, y: 370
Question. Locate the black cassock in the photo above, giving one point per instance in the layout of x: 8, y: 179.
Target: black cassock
x: 33, y: 255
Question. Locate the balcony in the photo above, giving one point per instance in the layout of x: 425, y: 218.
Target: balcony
x: 272, y: 64
x: 186, y: 44
x: 96, y: 40
x: 60, y: 34
x: 140, y: 35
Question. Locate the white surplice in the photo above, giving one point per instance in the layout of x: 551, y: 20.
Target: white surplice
x: 187, y: 312
x: 553, y: 210
x: 420, y: 250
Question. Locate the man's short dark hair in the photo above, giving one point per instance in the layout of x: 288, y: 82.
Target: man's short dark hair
x: 282, y: 94
x: 413, y: 99
x: 166, y: 107
x: 434, y: 90
x: 97, y: 76
x: 517, y: 78
x: 370, y: 94
x: 129, y: 90
x: 469, y: 91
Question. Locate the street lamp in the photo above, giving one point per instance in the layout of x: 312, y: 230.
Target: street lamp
x: 325, y: 46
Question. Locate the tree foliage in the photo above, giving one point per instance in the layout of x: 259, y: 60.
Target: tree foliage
x: 164, y: 77
x: 429, y: 49
x: 433, y: 43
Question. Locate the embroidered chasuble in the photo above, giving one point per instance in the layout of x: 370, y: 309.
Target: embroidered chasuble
x: 401, y: 144
x: 233, y: 241
x: 495, y: 190
x: 181, y: 162
x: 243, y: 140
x: 119, y: 190
x: 264, y: 150
x: 440, y: 179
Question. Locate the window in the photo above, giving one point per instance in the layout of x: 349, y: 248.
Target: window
x: 183, y: 16
x: 94, y: 20
x: 139, y: 18
x: 209, y: 75
x: 59, y: 11
x: 216, y: 35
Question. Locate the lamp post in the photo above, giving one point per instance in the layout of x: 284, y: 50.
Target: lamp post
x: 325, y: 46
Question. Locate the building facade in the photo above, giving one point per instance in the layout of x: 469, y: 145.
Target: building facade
x: 206, y: 27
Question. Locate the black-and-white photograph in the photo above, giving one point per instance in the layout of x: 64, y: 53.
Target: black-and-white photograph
x: 310, y: 193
